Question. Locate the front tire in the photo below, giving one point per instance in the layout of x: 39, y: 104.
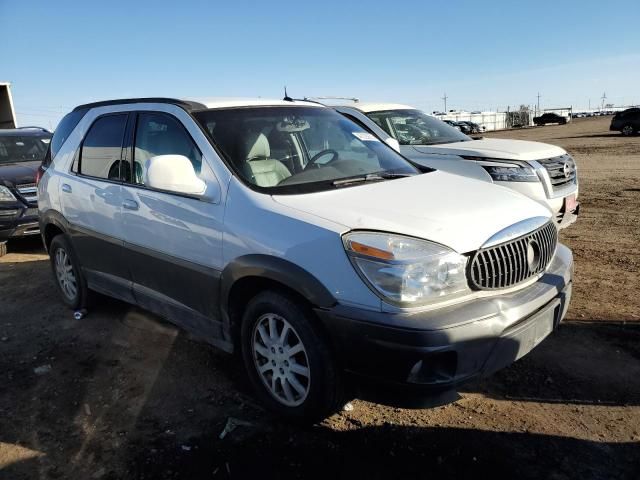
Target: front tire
x: 288, y: 358
x: 67, y: 273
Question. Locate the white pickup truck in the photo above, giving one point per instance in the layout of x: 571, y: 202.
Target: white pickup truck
x: 543, y: 172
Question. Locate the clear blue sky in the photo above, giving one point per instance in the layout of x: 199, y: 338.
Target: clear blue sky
x: 484, y: 54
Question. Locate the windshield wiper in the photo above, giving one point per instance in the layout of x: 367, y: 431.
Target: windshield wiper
x: 370, y: 177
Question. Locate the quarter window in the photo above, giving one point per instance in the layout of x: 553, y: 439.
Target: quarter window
x: 62, y: 132
x: 102, y: 148
x: 161, y: 134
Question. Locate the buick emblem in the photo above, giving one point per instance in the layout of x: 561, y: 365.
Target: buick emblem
x: 566, y: 169
x: 533, y: 255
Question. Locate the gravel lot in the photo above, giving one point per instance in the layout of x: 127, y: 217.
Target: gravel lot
x: 120, y: 394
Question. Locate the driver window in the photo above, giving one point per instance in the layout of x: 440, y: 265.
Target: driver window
x: 161, y: 134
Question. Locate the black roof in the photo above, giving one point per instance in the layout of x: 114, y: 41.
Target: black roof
x: 25, y: 132
x: 185, y: 104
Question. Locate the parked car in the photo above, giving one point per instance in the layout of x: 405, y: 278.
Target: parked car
x: 454, y: 125
x: 289, y: 233
x: 626, y: 122
x: 545, y: 173
x: 549, y: 117
x: 473, y: 127
x: 464, y: 127
x: 21, y: 152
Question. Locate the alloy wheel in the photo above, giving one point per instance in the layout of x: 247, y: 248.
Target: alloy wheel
x: 281, y: 360
x: 627, y: 130
x: 65, y: 275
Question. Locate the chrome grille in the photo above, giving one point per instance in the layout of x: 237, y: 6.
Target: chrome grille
x: 513, y: 262
x: 561, y: 170
x: 29, y: 192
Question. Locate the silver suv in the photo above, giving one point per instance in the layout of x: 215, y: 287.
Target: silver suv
x: 285, y: 231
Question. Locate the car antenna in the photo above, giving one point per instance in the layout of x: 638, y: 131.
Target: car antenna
x: 287, y: 98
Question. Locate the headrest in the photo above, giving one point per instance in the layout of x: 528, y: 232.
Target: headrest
x: 256, y: 146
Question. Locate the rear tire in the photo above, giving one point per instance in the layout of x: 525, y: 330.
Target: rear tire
x: 67, y: 273
x: 628, y: 130
x: 288, y: 358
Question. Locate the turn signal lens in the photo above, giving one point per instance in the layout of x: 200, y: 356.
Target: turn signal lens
x: 369, y: 251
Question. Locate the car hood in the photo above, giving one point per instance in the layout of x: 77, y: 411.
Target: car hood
x: 495, y: 148
x: 455, y: 211
x: 18, y: 173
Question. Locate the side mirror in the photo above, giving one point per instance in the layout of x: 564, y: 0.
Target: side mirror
x: 393, y: 143
x: 173, y: 173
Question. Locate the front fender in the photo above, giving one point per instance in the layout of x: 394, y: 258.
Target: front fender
x: 278, y: 270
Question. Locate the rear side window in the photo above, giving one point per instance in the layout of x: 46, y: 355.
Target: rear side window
x: 101, y: 152
x: 63, y: 130
x: 161, y: 134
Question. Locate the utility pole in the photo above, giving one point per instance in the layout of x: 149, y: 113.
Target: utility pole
x: 603, y: 98
x: 538, y: 109
x: 445, y: 102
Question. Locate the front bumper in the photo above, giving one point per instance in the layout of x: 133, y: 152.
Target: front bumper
x: 566, y: 217
x: 428, y: 354
x: 18, y: 220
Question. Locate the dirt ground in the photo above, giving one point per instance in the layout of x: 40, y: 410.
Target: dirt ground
x: 121, y: 394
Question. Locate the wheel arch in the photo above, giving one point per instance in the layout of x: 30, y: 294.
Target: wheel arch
x: 52, y: 223
x: 246, y: 276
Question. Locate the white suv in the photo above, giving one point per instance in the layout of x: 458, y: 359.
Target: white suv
x: 543, y: 172
x: 289, y: 233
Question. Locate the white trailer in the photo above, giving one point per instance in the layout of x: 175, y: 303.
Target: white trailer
x: 7, y: 113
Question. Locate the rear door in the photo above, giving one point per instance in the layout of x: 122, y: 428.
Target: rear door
x: 173, y: 243
x: 92, y: 204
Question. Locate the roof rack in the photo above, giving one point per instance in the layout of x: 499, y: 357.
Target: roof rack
x: 34, y: 128
x: 185, y: 104
x: 351, y: 99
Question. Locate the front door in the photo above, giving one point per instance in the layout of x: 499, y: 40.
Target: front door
x: 173, y: 243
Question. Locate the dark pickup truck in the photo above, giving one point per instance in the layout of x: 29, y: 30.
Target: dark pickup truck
x: 21, y: 153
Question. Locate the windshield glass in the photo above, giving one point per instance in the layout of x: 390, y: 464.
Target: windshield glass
x: 17, y: 148
x: 294, y: 149
x: 412, y: 127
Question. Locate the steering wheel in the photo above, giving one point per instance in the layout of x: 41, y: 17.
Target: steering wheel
x: 319, y: 155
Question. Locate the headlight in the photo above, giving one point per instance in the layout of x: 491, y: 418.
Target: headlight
x: 6, y: 195
x: 407, y: 271
x: 511, y: 174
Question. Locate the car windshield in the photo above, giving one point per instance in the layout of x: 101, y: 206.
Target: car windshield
x: 412, y: 127
x: 23, y: 148
x: 295, y: 149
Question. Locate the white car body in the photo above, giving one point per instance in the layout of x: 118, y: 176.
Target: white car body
x: 470, y: 158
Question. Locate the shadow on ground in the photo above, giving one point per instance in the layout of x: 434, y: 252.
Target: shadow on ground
x: 30, y: 244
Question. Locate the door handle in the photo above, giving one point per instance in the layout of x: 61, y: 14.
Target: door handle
x: 130, y: 204
x: 66, y: 188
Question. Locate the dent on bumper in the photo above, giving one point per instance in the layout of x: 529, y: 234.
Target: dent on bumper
x: 440, y: 349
